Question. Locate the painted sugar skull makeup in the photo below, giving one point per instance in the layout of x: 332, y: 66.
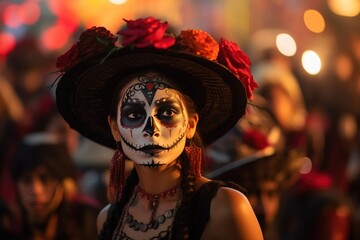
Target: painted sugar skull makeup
x: 152, y: 121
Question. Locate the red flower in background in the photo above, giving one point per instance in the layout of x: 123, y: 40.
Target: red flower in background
x: 255, y: 139
x: 92, y: 42
x: 200, y: 43
x: 239, y: 63
x: 146, y: 32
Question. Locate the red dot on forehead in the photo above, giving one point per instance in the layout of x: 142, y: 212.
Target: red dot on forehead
x: 150, y: 86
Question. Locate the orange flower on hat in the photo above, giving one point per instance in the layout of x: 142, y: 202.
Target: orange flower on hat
x: 93, y: 41
x: 146, y: 32
x: 239, y: 63
x: 200, y: 43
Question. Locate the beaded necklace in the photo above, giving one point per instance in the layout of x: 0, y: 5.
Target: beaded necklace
x: 154, y: 200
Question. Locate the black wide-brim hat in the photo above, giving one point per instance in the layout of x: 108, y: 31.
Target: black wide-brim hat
x: 84, y: 93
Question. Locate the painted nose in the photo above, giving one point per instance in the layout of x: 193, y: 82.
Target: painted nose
x: 150, y: 128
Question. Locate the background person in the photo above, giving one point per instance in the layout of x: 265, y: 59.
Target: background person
x: 50, y: 207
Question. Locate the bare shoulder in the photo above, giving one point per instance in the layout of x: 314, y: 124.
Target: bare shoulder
x: 232, y: 217
x: 229, y: 199
x: 102, y: 217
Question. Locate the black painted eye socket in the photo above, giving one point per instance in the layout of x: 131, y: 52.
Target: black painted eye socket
x: 168, y: 112
x: 133, y: 115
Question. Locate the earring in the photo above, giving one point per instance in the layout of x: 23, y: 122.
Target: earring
x: 194, y: 154
x: 117, y: 174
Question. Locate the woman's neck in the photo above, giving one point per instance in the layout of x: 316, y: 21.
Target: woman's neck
x: 157, y: 180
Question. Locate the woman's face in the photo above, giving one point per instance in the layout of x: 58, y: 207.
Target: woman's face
x: 152, y: 122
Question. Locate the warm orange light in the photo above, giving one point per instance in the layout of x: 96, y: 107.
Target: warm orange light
x: 343, y: 67
x: 118, y: 2
x: 110, y: 13
x: 314, y: 21
x: 8, y: 42
x: 348, y: 8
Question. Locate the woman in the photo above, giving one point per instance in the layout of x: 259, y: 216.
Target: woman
x: 153, y: 99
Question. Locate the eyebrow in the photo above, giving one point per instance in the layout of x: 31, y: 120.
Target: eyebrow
x: 135, y: 103
x: 169, y: 100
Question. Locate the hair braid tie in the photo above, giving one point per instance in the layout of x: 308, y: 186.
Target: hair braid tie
x: 117, y: 175
x: 194, y: 154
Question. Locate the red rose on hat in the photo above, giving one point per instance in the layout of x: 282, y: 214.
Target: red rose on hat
x: 68, y: 59
x: 146, y: 32
x: 200, y: 43
x: 239, y: 63
x: 92, y: 42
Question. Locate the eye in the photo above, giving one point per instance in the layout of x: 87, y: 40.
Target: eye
x: 134, y: 115
x: 168, y: 113
x: 46, y: 179
x: 25, y: 179
x: 133, y: 112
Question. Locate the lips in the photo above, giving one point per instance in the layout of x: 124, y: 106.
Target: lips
x: 152, y: 149
x: 37, y: 206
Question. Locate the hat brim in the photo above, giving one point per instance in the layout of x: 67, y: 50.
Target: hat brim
x: 84, y: 92
x: 230, y: 169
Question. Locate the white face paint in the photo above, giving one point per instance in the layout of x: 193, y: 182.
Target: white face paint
x: 152, y: 121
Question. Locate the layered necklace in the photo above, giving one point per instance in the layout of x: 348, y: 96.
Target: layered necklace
x: 154, y: 222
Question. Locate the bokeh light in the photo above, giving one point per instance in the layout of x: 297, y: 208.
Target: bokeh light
x: 55, y: 37
x: 348, y: 8
x: 314, y: 21
x: 311, y: 62
x: 348, y: 126
x: 307, y: 166
x: 117, y: 2
x: 344, y: 67
x: 286, y: 44
x: 8, y: 42
x: 30, y: 12
x: 11, y: 16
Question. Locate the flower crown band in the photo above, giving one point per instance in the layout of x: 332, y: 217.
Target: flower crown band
x: 151, y: 33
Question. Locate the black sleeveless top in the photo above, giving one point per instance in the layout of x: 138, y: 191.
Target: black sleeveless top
x: 200, y: 209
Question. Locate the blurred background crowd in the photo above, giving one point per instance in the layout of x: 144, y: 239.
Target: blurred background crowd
x: 297, y: 150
